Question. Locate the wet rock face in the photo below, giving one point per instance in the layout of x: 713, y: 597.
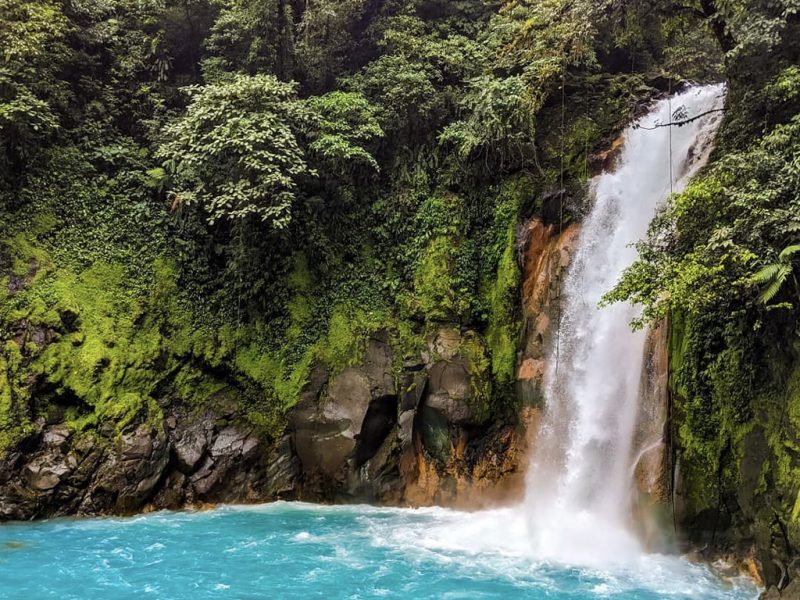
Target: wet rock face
x: 450, y: 390
x: 547, y: 253
x: 342, y: 422
x: 379, y: 431
x: 378, y: 423
x: 188, y: 458
x: 652, y: 466
x: 373, y: 434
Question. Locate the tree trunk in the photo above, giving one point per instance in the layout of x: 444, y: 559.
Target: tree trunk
x: 285, y: 40
x: 717, y: 24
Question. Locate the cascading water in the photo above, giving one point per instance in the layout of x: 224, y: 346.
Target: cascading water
x: 579, y: 482
x: 577, y: 501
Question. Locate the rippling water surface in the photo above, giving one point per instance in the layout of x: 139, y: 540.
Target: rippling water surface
x: 292, y: 550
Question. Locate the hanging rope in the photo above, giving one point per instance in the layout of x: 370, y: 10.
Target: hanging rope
x: 586, y: 143
x: 669, y: 104
x: 669, y: 325
x: 561, y: 208
x: 241, y: 278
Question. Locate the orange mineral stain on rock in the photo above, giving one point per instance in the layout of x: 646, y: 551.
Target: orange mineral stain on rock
x: 751, y: 568
x: 493, y: 476
x: 652, y: 467
x: 547, y: 253
x: 607, y: 160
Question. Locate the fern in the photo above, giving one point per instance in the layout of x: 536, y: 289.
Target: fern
x: 793, y: 227
x: 774, y: 283
x: 767, y: 273
x: 774, y: 276
x: 788, y: 252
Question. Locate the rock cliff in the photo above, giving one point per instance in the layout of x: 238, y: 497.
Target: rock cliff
x: 414, y: 432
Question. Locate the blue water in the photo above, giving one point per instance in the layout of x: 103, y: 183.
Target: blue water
x: 305, y: 551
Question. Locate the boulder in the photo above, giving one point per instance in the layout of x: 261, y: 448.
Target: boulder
x: 348, y: 398
x: 325, y: 436
x: 172, y: 494
x: 323, y: 448
x: 189, y: 457
x: 233, y: 442
x: 56, y: 436
x: 791, y: 591
x: 771, y: 594
x: 46, y: 471
x: 204, y: 479
x: 332, y: 432
x: 443, y: 345
x: 137, y: 444
x: 449, y: 390
x: 190, y: 444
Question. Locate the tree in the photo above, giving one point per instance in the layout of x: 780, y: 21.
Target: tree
x: 531, y: 45
x: 544, y: 37
x: 245, y: 37
x: 238, y: 150
x: 756, y: 35
x: 499, y: 119
x: 415, y: 83
x: 344, y: 126
x: 31, y: 48
x: 324, y: 38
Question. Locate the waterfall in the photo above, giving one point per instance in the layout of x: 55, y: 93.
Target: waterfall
x: 579, y: 483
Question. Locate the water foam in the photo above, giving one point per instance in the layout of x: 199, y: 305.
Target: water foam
x: 353, y: 552
x: 579, y: 484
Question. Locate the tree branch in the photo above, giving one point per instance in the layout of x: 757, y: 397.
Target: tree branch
x: 680, y: 123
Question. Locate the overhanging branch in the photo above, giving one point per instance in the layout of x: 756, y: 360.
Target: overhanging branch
x: 680, y: 123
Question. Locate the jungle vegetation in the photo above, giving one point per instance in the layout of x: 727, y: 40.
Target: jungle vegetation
x: 205, y: 197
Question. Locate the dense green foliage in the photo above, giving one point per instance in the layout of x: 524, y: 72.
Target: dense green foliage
x: 204, y: 199
x: 721, y: 259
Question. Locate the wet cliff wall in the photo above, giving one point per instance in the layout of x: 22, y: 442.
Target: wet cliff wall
x: 387, y: 425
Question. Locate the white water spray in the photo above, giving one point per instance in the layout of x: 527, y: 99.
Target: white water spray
x: 578, y: 500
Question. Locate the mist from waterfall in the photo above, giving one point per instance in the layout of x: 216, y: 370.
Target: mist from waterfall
x: 579, y: 483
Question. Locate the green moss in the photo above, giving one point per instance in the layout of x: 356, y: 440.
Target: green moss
x: 26, y: 257
x: 109, y: 347
x: 474, y: 351
x: 14, y: 422
x: 699, y: 454
x: 6, y: 416
x: 783, y: 426
x: 437, y: 293
x: 443, y: 276
x: 347, y: 336
x: 739, y: 413
x: 504, y: 324
x: 197, y: 387
x: 301, y: 305
x: 678, y: 346
x: 289, y: 386
x: 111, y: 364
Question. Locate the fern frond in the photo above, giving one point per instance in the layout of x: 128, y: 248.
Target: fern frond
x: 769, y: 292
x: 767, y: 273
x: 775, y: 285
x: 789, y: 251
x: 793, y: 227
